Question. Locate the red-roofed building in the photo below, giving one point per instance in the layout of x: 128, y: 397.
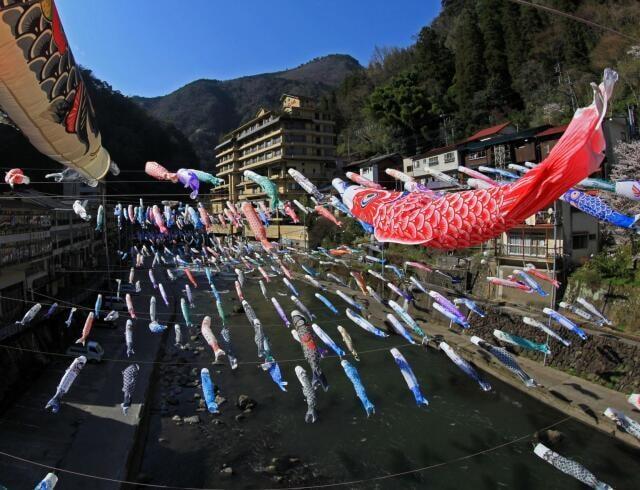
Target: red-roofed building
x: 548, y: 138
x: 487, y: 133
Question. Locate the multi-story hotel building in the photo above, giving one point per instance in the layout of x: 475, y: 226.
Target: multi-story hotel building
x: 299, y: 136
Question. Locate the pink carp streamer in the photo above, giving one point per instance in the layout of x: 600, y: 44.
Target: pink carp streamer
x: 363, y: 181
x: 88, y: 324
x: 474, y: 174
x: 419, y: 265
x: 497, y: 281
x: 159, y: 220
x: 192, y: 279
x: 157, y: 171
x: 468, y: 218
x: 325, y: 213
x: 291, y: 212
x: 204, y: 216
x: 256, y: 225
x: 531, y: 269
x: 16, y: 176
x: 130, y: 308
x: 210, y: 338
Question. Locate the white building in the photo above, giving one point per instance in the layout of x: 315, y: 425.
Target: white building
x: 445, y: 159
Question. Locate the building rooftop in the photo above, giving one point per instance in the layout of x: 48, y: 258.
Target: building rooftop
x: 553, y: 131
x: 505, y: 138
x: 435, y: 151
x: 34, y: 198
x: 373, y: 160
x: 487, y: 132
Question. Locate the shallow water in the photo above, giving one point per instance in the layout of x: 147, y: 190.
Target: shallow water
x: 452, y: 438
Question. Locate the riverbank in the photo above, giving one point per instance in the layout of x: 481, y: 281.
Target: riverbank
x: 572, y: 395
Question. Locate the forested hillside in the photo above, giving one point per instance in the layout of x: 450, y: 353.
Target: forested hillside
x: 484, y: 61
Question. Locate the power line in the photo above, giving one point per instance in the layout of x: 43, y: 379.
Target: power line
x: 326, y: 485
x: 204, y: 362
x: 576, y: 18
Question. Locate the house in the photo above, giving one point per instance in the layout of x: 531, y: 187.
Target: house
x: 374, y: 169
x: 501, y: 149
x: 445, y: 159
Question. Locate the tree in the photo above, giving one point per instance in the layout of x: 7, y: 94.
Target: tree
x: 470, y: 73
x: 404, y: 107
x: 499, y: 92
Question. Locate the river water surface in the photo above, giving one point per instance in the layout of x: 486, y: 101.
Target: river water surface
x: 463, y: 439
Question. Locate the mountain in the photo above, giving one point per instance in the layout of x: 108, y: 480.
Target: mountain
x: 206, y: 109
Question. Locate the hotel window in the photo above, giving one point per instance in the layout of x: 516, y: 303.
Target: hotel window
x: 433, y: 161
x: 449, y: 157
x: 580, y: 241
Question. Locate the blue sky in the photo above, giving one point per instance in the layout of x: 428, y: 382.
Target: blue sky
x: 152, y: 47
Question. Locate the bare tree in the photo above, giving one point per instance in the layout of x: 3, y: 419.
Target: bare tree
x: 626, y: 167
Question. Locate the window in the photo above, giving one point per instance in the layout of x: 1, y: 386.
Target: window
x: 526, y: 244
x: 477, y: 155
x: 409, y: 168
x: 449, y: 157
x: 433, y: 161
x: 580, y: 241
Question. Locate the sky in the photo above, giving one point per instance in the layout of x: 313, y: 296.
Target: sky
x: 152, y: 47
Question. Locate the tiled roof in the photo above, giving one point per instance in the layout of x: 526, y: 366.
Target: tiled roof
x: 486, y: 132
x: 552, y: 131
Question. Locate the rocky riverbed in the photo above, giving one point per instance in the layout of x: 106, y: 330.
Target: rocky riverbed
x: 260, y: 439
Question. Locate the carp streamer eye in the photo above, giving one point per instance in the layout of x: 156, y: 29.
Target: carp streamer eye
x: 366, y: 199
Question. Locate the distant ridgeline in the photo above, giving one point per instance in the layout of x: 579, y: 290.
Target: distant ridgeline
x: 204, y: 110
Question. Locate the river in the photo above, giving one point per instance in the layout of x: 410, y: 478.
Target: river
x: 463, y: 439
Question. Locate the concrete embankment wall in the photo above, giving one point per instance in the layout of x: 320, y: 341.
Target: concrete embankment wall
x: 607, y: 360
x: 621, y: 304
x: 21, y: 360
x: 604, y: 359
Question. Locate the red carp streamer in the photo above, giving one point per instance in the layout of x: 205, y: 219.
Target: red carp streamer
x: 468, y: 218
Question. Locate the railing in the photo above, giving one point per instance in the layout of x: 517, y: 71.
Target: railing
x: 544, y: 251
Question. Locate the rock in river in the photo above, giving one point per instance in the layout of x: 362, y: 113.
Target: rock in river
x: 245, y: 402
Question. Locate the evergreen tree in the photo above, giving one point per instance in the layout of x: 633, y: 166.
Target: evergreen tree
x: 499, y: 92
x: 470, y: 72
